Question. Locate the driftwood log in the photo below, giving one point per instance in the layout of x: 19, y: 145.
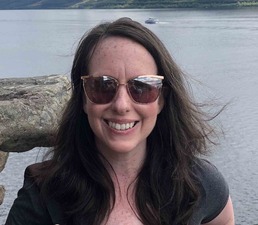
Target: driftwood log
x: 29, y: 113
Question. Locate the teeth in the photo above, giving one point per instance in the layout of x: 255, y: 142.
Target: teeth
x: 123, y: 126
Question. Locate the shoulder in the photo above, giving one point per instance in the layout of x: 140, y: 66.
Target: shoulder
x: 209, y: 175
x: 36, y: 172
x: 213, y: 188
x: 29, y: 206
x: 33, y: 169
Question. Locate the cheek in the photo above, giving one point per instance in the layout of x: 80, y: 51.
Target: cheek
x: 94, y: 113
x: 149, y: 120
x: 92, y: 116
x: 151, y: 112
x: 90, y: 109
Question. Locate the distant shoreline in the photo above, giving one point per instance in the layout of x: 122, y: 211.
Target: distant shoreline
x: 165, y: 8
x: 150, y: 6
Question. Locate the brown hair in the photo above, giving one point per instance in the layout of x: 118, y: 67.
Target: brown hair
x: 166, y: 189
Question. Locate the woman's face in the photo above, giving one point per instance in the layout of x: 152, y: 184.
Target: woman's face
x: 122, y: 126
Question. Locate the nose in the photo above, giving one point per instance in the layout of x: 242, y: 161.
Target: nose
x: 122, y: 101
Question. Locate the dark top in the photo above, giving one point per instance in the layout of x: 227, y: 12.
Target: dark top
x: 28, y: 208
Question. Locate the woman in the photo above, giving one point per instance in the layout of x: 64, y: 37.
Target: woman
x: 128, y: 144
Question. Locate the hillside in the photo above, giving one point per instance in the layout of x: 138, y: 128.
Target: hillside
x: 116, y: 4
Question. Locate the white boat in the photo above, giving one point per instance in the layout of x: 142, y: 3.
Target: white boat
x: 151, y: 20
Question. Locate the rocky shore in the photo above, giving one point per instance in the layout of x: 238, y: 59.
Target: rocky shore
x: 29, y: 113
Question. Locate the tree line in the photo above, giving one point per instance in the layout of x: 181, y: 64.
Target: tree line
x: 122, y: 4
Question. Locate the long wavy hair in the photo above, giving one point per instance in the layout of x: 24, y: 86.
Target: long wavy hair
x: 166, y: 189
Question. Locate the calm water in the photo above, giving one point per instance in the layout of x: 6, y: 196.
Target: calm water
x: 218, y: 48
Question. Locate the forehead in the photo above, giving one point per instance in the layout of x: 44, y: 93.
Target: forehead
x: 119, y: 44
x: 114, y: 52
x: 115, y: 41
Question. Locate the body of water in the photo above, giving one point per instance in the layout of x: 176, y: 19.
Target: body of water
x: 218, y: 48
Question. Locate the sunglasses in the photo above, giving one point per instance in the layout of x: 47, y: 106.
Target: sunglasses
x: 142, y: 89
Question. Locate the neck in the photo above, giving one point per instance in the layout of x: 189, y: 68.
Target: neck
x: 124, y: 169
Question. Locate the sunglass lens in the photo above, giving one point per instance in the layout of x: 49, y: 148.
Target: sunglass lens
x: 143, y: 92
x: 100, y: 90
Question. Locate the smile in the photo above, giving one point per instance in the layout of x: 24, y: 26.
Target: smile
x: 122, y: 126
